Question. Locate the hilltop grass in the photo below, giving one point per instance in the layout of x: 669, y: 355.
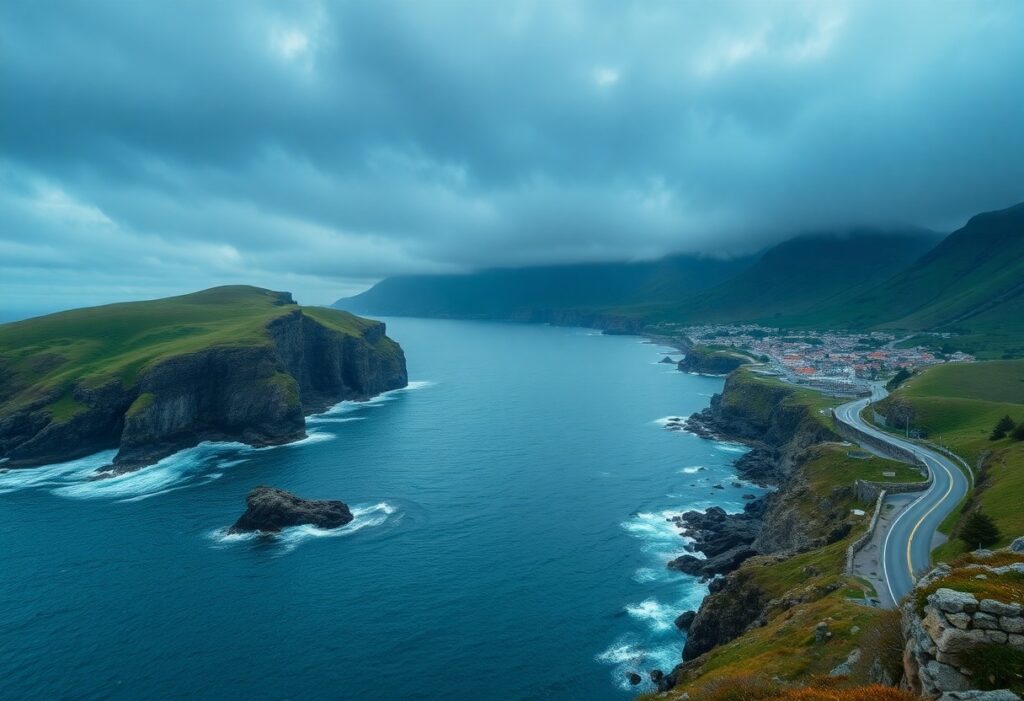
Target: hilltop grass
x: 48, y: 356
x: 958, y: 405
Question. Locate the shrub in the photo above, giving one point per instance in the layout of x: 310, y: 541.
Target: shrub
x: 898, y: 379
x: 1018, y: 433
x: 1003, y: 427
x: 882, y: 642
x: 998, y: 667
x: 979, y: 530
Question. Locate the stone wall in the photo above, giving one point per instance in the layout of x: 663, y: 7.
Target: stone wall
x: 852, y: 433
x: 940, y: 642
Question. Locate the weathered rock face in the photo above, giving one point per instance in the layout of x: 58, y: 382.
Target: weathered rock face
x: 704, y: 362
x: 724, y: 614
x: 258, y: 393
x: 953, y: 626
x: 269, y: 510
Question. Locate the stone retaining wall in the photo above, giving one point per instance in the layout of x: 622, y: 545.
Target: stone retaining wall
x: 856, y: 545
x: 939, y: 644
x: 852, y: 433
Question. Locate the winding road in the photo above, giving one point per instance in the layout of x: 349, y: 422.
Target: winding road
x: 907, y: 544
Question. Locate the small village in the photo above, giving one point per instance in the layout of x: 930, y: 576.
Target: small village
x: 827, y: 360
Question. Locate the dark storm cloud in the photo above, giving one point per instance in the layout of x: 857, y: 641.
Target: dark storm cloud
x: 151, y: 148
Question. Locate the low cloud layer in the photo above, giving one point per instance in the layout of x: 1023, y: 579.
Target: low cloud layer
x: 150, y: 149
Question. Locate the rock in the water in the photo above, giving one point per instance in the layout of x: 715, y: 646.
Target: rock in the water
x: 684, y: 619
x: 657, y: 675
x: 633, y: 678
x: 269, y: 510
x: 668, y: 360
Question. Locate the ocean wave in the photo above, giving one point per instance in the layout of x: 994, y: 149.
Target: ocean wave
x: 630, y: 654
x: 179, y: 470
x: 349, y: 405
x: 364, y: 516
x: 730, y: 447
x: 14, y: 480
x: 692, y: 470
x: 658, y: 616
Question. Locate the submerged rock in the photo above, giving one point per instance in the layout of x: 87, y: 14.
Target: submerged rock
x: 633, y: 678
x: 269, y: 510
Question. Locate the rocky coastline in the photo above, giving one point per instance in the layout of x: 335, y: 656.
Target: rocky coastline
x: 778, y: 435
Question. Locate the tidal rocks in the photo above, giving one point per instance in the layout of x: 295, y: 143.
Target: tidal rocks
x: 667, y: 360
x: 684, y: 620
x: 269, y: 510
x: 633, y: 678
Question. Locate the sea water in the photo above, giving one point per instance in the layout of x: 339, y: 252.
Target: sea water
x: 510, y: 537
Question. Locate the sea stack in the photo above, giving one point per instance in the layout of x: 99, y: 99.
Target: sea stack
x: 269, y: 510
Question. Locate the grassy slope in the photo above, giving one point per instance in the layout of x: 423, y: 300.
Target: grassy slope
x: 958, y: 405
x: 785, y: 647
x: 96, y: 344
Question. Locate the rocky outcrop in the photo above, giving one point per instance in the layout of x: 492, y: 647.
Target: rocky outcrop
x: 701, y: 361
x: 953, y: 631
x: 724, y: 539
x: 269, y: 510
x: 725, y: 613
x: 254, y: 391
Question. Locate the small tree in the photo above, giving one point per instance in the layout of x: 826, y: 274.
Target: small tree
x: 1018, y: 433
x: 1003, y: 426
x: 979, y: 531
x: 898, y: 379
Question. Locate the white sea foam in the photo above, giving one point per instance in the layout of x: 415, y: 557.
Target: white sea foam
x: 14, y: 480
x: 173, y: 472
x: 658, y: 616
x: 666, y: 420
x: 692, y: 470
x: 630, y: 654
x: 364, y: 516
x: 348, y: 406
x: 728, y: 447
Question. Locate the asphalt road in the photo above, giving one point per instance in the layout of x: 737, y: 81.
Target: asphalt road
x: 906, y: 547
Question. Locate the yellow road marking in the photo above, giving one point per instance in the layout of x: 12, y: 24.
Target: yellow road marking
x: 913, y: 531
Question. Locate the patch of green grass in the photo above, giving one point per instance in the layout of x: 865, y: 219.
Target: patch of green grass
x: 141, y: 403
x: 64, y: 408
x: 1007, y: 588
x: 287, y: 384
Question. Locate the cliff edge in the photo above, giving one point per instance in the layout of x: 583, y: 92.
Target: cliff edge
x: 150, y: 378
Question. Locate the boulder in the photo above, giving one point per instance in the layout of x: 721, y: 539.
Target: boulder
x: 952, y: 601
x: 1017, y: 545
x: 684, y: 619
x: 633, y: 678
x: 269, y: 510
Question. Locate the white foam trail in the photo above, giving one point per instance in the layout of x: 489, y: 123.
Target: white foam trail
x: 727, y: 447
x: 313, y: 436
x: 172, y: 472
x: 320, y: 419
x: 349, y: 406
x: 48, y: 475
x: 364, y: 516
x: 692, y: 470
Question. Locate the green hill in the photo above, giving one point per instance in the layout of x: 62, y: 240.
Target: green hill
x: 971, y: 283
x: 219, y: 363
x: 527, y: 293
x: 803, y: 274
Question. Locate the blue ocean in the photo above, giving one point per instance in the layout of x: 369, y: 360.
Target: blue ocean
x: 510, y: 540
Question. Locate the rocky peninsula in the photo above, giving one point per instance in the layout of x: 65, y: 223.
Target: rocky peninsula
x: 151, y: 378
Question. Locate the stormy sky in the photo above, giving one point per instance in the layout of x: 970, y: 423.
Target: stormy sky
x: 155, y: 148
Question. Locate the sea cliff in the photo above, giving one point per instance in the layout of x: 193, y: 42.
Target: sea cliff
x: 254, y: 386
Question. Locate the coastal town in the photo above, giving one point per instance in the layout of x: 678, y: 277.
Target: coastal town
x: 826, y: 360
